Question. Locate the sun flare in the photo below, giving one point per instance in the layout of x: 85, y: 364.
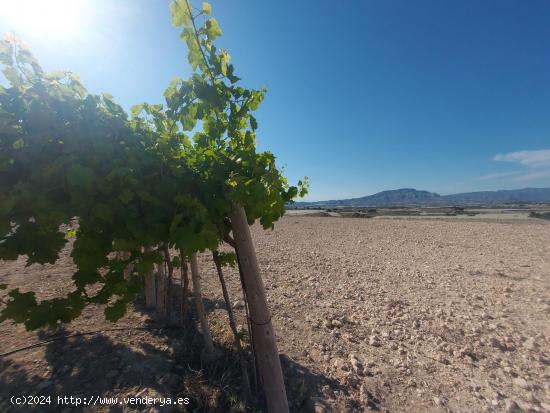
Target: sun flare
x: 44, y: 17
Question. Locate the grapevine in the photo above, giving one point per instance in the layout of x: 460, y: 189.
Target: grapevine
x: 128, y: 190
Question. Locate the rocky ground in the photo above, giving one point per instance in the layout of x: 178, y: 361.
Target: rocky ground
x: 387, y: 315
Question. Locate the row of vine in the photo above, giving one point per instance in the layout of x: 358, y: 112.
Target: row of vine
x: 129, y: 190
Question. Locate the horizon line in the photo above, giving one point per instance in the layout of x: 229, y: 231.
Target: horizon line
x: 421, y: 190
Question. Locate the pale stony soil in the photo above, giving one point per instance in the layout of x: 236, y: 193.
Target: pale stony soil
x: 389, y: 315
x: 414, y: 316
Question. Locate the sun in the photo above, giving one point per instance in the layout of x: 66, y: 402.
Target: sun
x: 43, y: 17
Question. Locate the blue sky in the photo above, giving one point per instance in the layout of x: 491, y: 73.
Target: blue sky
x: 363, y: 96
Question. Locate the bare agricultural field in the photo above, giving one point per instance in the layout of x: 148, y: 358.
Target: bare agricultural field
x: 380, y: 314
x: 504, y: 213
x: 415, y: 315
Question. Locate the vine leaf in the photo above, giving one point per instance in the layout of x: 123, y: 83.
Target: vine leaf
x: 213, y: 29
x: 180, y: 13
x: 206, y: 8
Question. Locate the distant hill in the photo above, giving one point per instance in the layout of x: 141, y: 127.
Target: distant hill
x: 504, y: 196
x: 414, y: 197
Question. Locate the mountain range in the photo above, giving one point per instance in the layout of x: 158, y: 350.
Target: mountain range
x: 413, y: 197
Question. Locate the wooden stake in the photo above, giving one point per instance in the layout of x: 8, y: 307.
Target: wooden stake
x: 161, y: 291
x: 197, y: 290
x: 150, y: 293
x: 269, y: 364
x: 184, y: 286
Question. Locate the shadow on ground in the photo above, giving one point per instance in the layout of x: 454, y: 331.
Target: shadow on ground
x: 155, y: 362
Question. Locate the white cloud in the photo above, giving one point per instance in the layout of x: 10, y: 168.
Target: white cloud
x: 497, y: 175
x: 531, y: 176
x: 536, y: 166
x: 538, y: 158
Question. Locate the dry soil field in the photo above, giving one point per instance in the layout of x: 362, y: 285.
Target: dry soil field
x: 389, y: 315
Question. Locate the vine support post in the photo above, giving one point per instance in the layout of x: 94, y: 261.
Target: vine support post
x: 150, y: 293
x: 161, y: 291
x: 209, y: 350
x: 263, y: 336
x: 184, y: 287
x: 170, y: 273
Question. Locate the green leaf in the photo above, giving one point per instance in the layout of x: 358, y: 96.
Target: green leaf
x: 212, y: 29
x: 206, y: 8
x: 6, y: 52
x: 180, y: 13
x: 80, y: 177
x: 18, y: 144
x: 225, y: 258
x: 144, y: 266
x: 126, y: 196
x: 12, y: 75
x: 103, y: 211
x: 135, y: 110
x: 175, y: 222
x: 120, y: 244
x: 176, y: 262
x: 83, y: 278
x: 189, y: 117
x: 253, y: 122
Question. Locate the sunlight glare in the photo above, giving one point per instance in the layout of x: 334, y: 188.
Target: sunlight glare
x: 44, y: 17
